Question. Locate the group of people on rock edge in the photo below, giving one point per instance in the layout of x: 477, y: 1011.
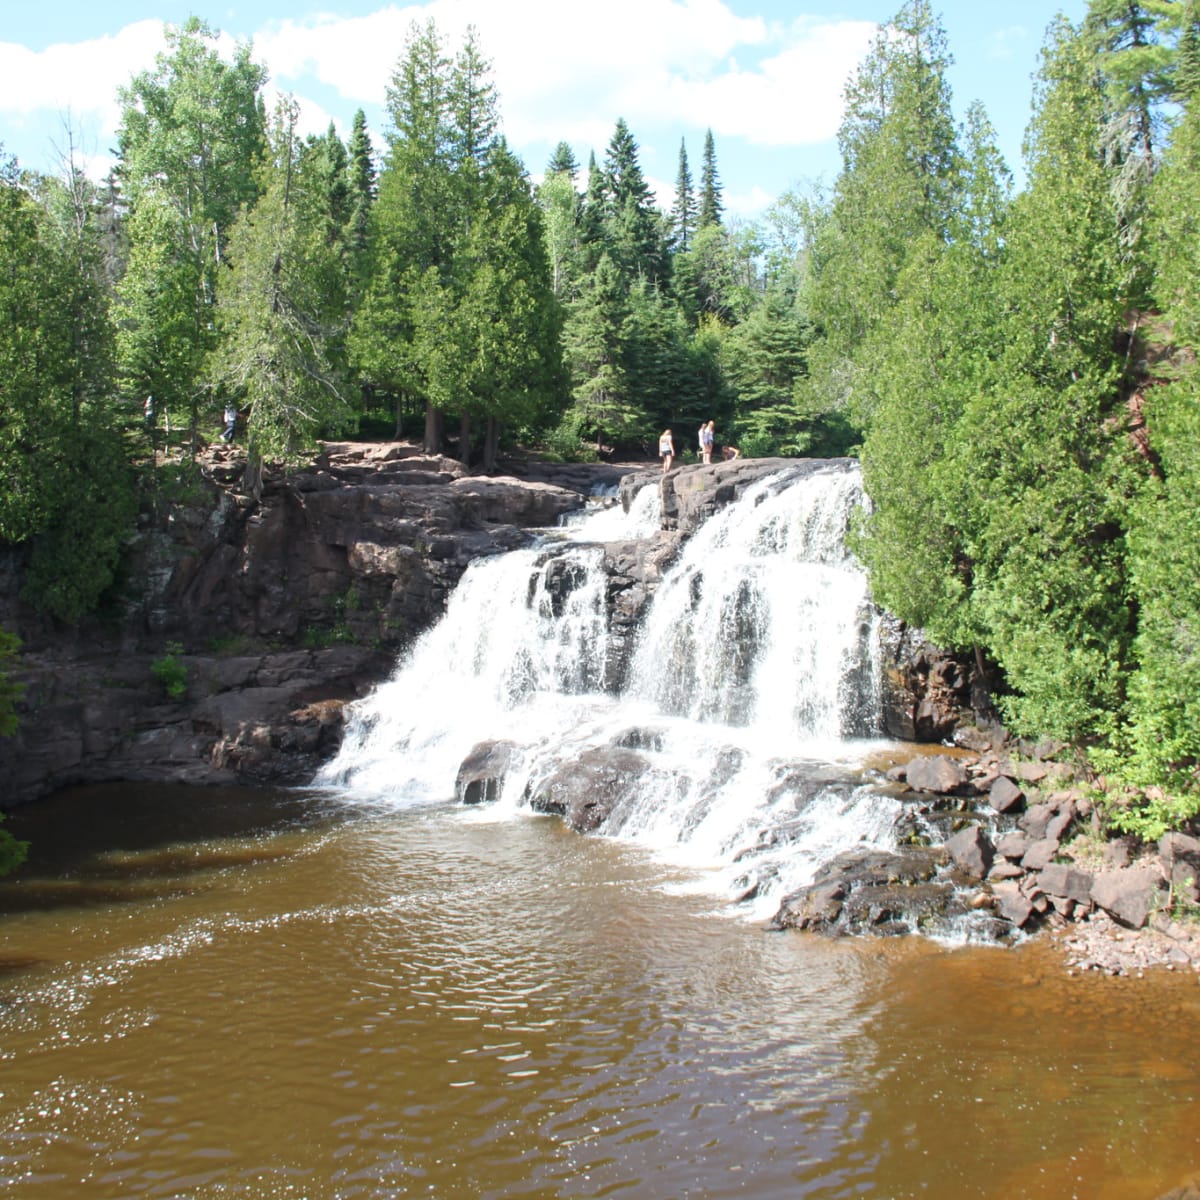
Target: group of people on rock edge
x: 707, y: 436
x: 229, y: 416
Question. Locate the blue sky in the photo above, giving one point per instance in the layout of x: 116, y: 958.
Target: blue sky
x: 765, y: 75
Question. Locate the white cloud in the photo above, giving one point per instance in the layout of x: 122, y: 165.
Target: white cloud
x: 72, y: 87
x: 567, y: 72
x: 563, y: 71
x: 750, y: 203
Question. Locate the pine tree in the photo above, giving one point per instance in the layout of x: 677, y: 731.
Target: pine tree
x: 1159, y: 745
x: 411, y: 227
x: 711, y: 206
x: 1049, y: 484
x: 900, y: 179
x: 593, y: 341
x: 684, y: 212
x: 632, y: 230
x: 563, y: 162
x: 361, y: 172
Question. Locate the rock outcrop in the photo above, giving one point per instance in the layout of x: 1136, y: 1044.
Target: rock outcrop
x: 275, y: 608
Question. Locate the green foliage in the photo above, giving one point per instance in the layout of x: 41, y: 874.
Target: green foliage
x: 68, y: 490
x: 190, y: 141
x: 711, y: 206
x: 12, y: 851
x: 171, y: 671
x: 1146, y: 813
x: 1159, y: 741
x: 900, y: 179
x: 10, y: 691
x: 282, y: 308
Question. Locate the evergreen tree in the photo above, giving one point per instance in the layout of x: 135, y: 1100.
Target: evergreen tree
x: 593, y: 340
x: 509, y: 319
x: 412, y: 223
x: 1185, y: 78
x: 1133, y: 52
x: 1049, y: 483
x: 900, y: 178
x: 631, y: 224
x: 592, y: 218
x: 67, y: 490
x: 684, y: 213
x: 361, y: 182
x: 283, y: 305
x: 766, y: 356
x: 563, y: 162
x: 936, y: 349
x: 1160, y: 743
x: 711, y: 206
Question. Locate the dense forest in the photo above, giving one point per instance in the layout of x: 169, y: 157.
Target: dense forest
x: 1014, y: 369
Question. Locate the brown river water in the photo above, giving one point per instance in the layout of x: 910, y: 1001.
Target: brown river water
x: 215, y: 993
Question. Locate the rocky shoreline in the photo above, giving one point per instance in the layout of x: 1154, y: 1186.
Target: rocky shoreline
x: 1004, y: 842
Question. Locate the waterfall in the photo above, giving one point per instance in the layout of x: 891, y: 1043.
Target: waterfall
x: 749, y: 696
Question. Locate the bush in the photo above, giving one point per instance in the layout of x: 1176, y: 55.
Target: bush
x: 12, y: 851
x: 170, y: 671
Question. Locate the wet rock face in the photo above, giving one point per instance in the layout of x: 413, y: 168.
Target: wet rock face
x: 481, y: 774
x: 876, y: 892
x: 593, y: 789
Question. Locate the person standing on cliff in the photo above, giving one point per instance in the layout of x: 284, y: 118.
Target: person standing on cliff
x: 666, y: 449
x: 707, y: 437
x: 231, y: 415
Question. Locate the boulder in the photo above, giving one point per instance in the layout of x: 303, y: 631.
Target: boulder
x: 1013, y: 845
x: 1127, y: 895
x: 1181, y: 858
x: 1036, y: 819
x: 1040, y: 854
x: 814, y: 909
x: 1005, y: 796
x: 875, y: 892
x: 481, y: 774
x: 935, y: 773
x: 1058, y: 824
x: 1066, y: 882
x: 925, y: 692
x: 1012, y: 904
x: 586, y: 793
x: 971, y: 851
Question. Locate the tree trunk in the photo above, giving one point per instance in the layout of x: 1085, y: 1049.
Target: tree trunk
x: 433, y: 429
x: 252, y: 475
x: 399, y: 415
x: 464, y: 441
x: 491, y: 444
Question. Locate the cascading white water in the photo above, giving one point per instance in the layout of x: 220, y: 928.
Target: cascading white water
x: 763, y: 622
x: 752, y: 678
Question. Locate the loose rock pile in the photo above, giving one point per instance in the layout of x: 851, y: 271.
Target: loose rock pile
x: 1019, y: 852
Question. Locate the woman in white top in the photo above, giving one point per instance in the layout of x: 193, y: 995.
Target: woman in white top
x: 666, y: 449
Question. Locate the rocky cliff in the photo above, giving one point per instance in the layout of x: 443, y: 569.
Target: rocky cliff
x: 269, y: 611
